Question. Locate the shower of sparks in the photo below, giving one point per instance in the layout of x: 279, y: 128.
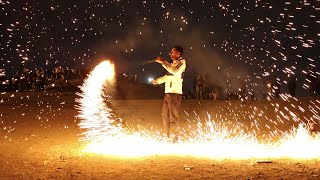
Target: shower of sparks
x: 266, y: 39
x: 105, y: 135
x: 239, y: 44
x: 100, y: 119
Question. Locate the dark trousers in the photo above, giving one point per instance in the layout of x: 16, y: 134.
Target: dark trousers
x: 170, y: 113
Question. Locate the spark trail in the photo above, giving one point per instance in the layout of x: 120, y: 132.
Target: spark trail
x: 105, y: 135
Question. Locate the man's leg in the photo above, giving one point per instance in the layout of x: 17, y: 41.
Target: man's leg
x: 166, y: 114
x: 174, y: 113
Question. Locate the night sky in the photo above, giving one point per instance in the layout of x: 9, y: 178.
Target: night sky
x: 234, y: 41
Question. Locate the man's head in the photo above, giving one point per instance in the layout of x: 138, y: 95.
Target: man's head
x: 176, y: 52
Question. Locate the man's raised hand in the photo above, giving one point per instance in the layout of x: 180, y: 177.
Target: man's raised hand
x: 160, y: 60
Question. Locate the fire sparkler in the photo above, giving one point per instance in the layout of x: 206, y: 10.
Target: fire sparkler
x: 105, y: 134
x: 97, y: 117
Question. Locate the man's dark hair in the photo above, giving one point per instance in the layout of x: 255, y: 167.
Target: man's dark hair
x: 179, y: 49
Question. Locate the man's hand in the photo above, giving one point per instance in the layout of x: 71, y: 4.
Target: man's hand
x: 160, y: 60
x: 154, y: 82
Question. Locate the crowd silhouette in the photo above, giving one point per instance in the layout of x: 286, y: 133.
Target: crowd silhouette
x: 37, y: 79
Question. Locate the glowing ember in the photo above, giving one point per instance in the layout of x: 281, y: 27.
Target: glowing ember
x: 105, y: 135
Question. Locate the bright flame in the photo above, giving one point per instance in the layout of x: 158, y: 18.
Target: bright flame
x: 106, y: 135
x: 97, y: 117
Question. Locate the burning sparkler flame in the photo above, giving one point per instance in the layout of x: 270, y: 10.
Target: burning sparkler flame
x: 97, y: 117
x: 105, y: 135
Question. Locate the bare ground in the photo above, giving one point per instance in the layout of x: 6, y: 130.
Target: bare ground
x: 39, y: 140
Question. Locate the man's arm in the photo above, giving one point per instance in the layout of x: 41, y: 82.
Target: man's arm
x: 160, y: 60
x: 175, y: 70
x: 160, y: 80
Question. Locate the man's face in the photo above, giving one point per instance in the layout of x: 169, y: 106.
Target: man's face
x: 174, y: 54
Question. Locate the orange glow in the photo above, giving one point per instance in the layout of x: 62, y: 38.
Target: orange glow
x: 106, y: 136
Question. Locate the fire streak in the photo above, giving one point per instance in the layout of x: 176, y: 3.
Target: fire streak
x: 105, y: 135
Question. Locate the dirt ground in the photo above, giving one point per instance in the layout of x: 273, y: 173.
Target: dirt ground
x: 39, y: 140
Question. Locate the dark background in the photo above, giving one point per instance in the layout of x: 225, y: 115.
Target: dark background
x: 234, y: 42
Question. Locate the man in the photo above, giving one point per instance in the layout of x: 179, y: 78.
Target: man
x: 173, y: 90
x: 199, y: 82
